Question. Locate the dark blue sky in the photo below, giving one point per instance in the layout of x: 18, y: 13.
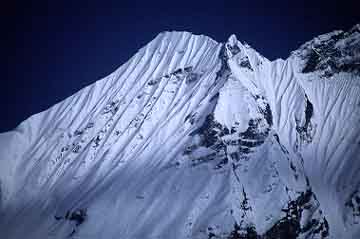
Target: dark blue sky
x: 51, y: 49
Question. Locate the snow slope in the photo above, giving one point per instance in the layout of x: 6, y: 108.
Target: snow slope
x: 195, y: 139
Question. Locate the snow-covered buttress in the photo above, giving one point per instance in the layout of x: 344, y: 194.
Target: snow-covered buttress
x: 195, y: 139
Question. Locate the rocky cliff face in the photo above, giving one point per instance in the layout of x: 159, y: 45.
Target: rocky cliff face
x: 195, y: 139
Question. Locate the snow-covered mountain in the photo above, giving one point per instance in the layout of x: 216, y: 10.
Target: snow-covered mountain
x: 192, y: 138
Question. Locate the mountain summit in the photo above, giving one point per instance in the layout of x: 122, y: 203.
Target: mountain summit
x: 195, y: 139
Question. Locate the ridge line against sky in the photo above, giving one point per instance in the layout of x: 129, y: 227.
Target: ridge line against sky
x: 53, y: 49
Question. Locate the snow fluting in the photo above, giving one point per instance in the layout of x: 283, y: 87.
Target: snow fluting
x: 192, y: 138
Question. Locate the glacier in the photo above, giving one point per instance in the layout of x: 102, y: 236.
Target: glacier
x: 192, y: 138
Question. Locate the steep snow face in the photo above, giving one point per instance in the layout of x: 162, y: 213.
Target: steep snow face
x: 195, y: 139
x: 314, y: 100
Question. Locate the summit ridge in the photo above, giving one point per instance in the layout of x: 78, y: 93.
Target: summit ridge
x: 192, y: 138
